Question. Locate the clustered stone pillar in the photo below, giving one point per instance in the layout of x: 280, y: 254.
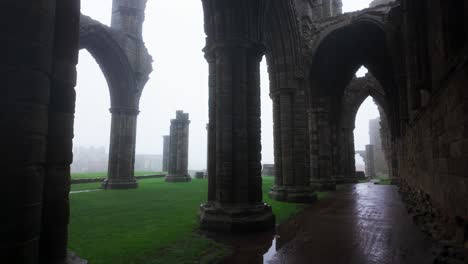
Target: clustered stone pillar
x: 166, y: 147
x: 320, y: 146
x: 38, y: 62
x: 122, y: 149
x: 370, y: 162
x: 292, y: 183
x: 178, y: 149
x: 235, y: 196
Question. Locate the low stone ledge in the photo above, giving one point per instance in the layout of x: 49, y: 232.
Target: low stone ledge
x: 92, y: 180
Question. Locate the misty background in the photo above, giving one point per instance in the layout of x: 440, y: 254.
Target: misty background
x: 173, y: 33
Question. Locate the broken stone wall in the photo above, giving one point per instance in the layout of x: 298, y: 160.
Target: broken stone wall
x: 433, y: 147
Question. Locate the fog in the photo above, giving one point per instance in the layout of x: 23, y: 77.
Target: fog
x: 174, y: 36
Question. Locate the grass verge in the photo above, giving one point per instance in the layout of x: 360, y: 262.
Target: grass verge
x: 152, y: 224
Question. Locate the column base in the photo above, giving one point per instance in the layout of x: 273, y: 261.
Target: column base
x: 118, y: 184
x: 72, y: 258
x: 323, y: 185
x: 346, y: 180
x: 294, y: 194
x: 175, y: 178
x: 242, y: 218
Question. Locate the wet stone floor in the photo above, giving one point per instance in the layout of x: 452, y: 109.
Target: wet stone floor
x: 358, y: 224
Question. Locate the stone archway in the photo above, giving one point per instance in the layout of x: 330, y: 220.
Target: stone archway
x: 344, y: 151
x: 339, y: 48
x: 235, y: 46
x: 126, y: 75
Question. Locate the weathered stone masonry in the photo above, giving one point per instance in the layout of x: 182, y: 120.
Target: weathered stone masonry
x: 178, y: 149
x: 166, y: 147
x: 126, y: 64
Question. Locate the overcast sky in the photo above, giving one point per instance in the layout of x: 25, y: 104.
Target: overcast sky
x: 173, y: 32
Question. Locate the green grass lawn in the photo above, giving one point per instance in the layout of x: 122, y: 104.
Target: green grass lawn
x: 85, y: 186
x: 152, y: 224
x: 104, y: 174
x: 383, y: 180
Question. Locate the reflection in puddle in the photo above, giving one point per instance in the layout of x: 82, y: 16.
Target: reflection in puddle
x: 270, y: 253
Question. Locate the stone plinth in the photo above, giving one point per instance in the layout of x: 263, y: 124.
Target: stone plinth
x: 237, y: 218
x: 178, y: 149
x: 295, y: 194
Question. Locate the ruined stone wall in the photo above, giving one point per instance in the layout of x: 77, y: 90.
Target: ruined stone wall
x: 375, y: 128
x: 432, y: 148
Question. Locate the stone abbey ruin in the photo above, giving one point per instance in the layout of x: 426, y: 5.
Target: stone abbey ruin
x: 415, y: 51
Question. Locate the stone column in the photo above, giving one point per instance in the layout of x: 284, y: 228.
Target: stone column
x: 211, y: 162
x: 370, y: 161
x: 320, y: 146
x: 55, y: 210
x: 235, y: 201
x: 26, y: 69
x: 166, y: 153
x: 290, y: 138
x: 122, y: 150
x: 178, y: 149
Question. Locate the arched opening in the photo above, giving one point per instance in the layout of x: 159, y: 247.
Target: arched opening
x: 91, y: 131
x: 368, y: 141
x: 346, y: 69
x: 267, y: 121
x: 179, y: 81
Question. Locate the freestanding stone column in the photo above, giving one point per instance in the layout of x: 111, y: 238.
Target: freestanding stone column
x: 370, y: 161
x: 320, y: 146
x: 235, y: 197
x: 178, y: 149
x: 166, y: 147
x: 122, y: 150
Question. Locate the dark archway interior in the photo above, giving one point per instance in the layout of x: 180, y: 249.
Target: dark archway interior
x: 343, y: 50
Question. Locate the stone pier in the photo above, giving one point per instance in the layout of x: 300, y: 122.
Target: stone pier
x: 166, y: 147
x: 178, y: 149
x: 234, y: 149
x: 122, y: 150
x: 320, y: 146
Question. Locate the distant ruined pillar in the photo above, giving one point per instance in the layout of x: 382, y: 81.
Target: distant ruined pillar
x: 166, y: 154
x: 178, y: 149
x: 370, y: 161
x: 122, y: 150
x: 320, y: 146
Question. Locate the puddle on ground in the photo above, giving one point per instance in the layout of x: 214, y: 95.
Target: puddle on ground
x: 359, y: 224
x: 257, y: 248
